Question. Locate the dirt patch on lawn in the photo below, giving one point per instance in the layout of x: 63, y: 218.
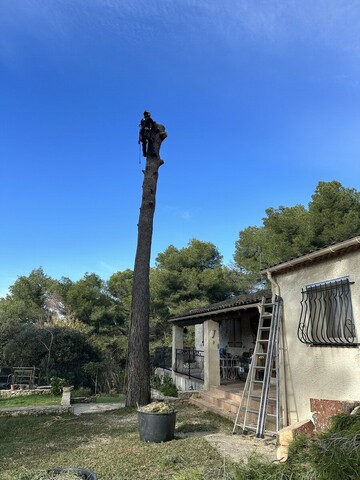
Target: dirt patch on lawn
x: 239, y: 448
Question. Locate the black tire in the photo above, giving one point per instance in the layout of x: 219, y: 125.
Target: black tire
x: 83, y: 473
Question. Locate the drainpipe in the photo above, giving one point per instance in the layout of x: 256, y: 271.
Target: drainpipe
x: 275, y: 287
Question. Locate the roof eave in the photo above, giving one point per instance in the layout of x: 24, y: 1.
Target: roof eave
x: 212, y: 313
x: 333, y: 249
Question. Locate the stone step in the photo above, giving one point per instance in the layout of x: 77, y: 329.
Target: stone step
x: 221, y: 402
x: 233, y: 406
x: 226, y: 404
x: 203, y: 404
x: 208, y: 407
x: 236, y: 397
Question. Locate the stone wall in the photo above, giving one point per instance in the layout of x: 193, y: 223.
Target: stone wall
x: 323, y: 410
x: 17, y: 411
x: 20, y: 393
x: 36, y: 410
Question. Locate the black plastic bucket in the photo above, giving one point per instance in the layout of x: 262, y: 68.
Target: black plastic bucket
x: 156, y: 427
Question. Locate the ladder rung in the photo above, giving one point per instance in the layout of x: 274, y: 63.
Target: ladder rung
x: 255, y: 410
x: 250, y: 427
x: 264, y: 328
x: 259, y: 367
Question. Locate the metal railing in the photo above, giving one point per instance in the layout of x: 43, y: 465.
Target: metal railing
x: 190, y: 362
x: 326, y: 314
x: 163, y: 357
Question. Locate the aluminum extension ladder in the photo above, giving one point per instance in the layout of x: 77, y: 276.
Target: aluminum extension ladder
x: 259, y: 409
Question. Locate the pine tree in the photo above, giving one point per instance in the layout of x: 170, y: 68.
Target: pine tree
x: 138, y: 368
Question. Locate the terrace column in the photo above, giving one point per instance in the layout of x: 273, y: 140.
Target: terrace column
x: 177, y: 343
x: 211, y: 354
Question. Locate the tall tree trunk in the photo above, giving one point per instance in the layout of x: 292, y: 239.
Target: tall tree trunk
x: 138, y: 367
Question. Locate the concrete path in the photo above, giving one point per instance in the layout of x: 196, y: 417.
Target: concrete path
x: 81, y: 408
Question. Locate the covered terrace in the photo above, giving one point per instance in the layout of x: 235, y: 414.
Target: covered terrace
x: 225, y: 335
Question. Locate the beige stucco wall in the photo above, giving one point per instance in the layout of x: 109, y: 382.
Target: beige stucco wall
x: 321, y: 372
x: 199, y: 337
x: 177, y: 342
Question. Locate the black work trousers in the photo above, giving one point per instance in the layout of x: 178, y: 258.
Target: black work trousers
x: 147, y: 147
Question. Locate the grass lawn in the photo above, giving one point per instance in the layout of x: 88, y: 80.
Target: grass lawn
x: 113, y: 399
x: 29, y: 401
x: 108, y: 443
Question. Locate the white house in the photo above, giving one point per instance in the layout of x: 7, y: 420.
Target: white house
x: 319, y: 336
x: 320, y: 352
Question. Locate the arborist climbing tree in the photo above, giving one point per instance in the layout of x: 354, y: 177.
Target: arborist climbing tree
x: 146, y: 126
x: 138, y: 365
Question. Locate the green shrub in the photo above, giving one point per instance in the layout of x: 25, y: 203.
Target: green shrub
x: 335, y: 453
x: 165, y: 385
x: 156, y: 381
x: 57, y: 385
x: 168, y: 387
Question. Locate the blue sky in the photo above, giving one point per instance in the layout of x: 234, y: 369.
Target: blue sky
x: 260, y: 98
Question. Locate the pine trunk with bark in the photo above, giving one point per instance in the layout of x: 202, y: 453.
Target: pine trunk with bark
x: 138, y: 366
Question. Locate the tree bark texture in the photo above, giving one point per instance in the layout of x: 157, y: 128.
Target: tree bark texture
x: 138, y: 366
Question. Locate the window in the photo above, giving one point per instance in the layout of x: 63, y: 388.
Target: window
x: 326, y: 314
x: 236, y: 337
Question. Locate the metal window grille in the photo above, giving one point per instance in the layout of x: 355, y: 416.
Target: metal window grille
x: 326, y: 314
